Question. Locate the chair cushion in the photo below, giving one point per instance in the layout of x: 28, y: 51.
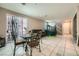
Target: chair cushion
x: 33, y: 43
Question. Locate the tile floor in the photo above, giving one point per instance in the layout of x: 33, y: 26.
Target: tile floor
x: 50, y: 46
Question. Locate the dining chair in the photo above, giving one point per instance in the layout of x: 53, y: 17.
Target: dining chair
x: 16, y: 43
x: 34, y: 42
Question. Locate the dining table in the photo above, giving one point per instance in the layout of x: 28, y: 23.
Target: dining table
x: 27, y: 38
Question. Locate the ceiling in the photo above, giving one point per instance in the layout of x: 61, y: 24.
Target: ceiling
x: 44, y: 11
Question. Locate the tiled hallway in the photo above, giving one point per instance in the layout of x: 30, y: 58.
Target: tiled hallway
x: 50, y: 46
x: 60, y: 46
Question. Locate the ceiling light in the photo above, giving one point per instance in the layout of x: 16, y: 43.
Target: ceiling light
x: 23, y: 3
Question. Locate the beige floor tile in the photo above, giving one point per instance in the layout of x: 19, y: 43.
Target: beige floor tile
x: 69, y: 46
x: 59, y: 51
x: 70, y: 52
x: 46, y: 51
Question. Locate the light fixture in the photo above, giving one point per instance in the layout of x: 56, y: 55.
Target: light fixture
x: 23, y: 3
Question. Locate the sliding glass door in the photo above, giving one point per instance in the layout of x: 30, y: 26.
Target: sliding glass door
x: 21, y: 26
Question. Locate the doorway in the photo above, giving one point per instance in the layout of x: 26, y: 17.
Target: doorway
x: 66, y: 28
